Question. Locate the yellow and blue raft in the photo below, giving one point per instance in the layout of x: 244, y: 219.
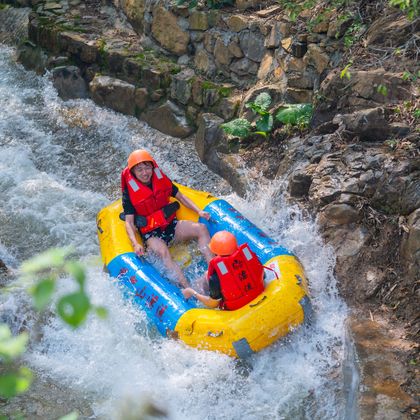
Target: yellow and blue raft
x: 282, y: 306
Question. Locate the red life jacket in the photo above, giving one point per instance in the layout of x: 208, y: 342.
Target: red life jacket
x: 241, y: 277
x: 149, y: 202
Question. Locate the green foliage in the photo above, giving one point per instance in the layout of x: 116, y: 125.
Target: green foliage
x: 13, y: 380
x: 345, y: 73
x: 294, y: 9
x: 240, y: 127
x: 211, y: 4
x: 391, y: 143
x: 45, y: 270
x: 382, y: 89
x: 42, y: 273
x: 71, y: 416
x: 296, y: 115
x: 352, y: 34
x: 410, y: 7
x: 408, y: 76
x: 264, y: 123
x: 11, y: 347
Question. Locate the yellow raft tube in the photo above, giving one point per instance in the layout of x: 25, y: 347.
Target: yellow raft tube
x: 282, y: 306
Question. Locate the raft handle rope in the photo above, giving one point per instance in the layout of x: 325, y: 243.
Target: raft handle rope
x: 274, y: 271
x: 215, y: 334
x: 256, y: 304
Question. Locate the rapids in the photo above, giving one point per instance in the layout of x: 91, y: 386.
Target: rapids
x: 60, y: 163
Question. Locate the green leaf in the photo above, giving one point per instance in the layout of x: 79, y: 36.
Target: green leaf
x: 11, y: 347
x: 14, y: 383
x: 71, y: 416
x: 263, y: 101
x: 49, y: 259
x: 265, y: 123
x: 4, y: 332
x: 261, y: 133
x: 293, y: 113
x: 240, y: 127
x: 77, y: 271
x: 73, y: 308
x: 42, y: 293
x: 382, y: 89
x: 101, y: 312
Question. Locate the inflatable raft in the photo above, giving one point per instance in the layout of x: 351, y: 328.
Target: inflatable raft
x: 282, y: 306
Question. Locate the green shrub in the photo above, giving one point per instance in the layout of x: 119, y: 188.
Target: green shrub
x: 410, y: 7
x: 241, y: 127
x: 298, y: 115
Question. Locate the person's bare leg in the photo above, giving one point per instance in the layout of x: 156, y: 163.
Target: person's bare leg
x: 186, y: 230
x: 159, y: 247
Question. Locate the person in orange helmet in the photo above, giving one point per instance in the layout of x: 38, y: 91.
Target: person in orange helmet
x: 145, y: 197
x: 235, y: 275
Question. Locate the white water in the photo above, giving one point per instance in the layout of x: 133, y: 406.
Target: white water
x: 59, y: 164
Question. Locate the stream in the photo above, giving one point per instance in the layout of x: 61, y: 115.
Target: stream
x: 60, y: 163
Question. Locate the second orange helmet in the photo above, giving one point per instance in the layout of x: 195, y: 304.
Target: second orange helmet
x: 223, y: 243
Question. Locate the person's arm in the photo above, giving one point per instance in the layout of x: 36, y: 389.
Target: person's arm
x: 191, y: 205
x: 205, y: 300
x: 131, y: 232
x: 130, y: 227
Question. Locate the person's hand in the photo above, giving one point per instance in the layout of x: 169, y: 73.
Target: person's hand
x: 139, y: 250
x: 204, y: 214
x: 188, y: 292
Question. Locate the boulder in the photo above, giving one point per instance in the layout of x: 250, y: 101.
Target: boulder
x: 211, y: 146
x: 113, y: 93
x: 32, y: 57
x: 181, y: 86
x: 368, y: 124
x: 209, y: 135
x: 252, y: 44
x: 69, y: 82
x: 168, y: 33
x: 237, y: 23
x: 198, y: 21
x: 299, y: 184
x: 317, y: 57
x: 141, y: 97
x: 360, y: 92
x: 222, y: 53
x: 134, y: 10
x: 169, y: 119
x: 340, y: 214
x: 204, y: 63
x: 80, y: 46
x: 273, y: 41
x: 244, y: 67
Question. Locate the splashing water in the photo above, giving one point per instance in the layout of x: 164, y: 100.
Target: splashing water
x: 59, y: 164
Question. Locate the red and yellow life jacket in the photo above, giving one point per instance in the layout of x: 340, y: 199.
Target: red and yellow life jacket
x: 241, y: 277
x: 149, y: 202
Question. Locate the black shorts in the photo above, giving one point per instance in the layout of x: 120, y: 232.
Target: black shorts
x: 167, y: 235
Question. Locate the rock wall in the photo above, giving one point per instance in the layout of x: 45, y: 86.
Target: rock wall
x: 178, y: 62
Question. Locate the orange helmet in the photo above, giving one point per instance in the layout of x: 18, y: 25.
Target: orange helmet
x: 139, y: 156
x: 223, y: 243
